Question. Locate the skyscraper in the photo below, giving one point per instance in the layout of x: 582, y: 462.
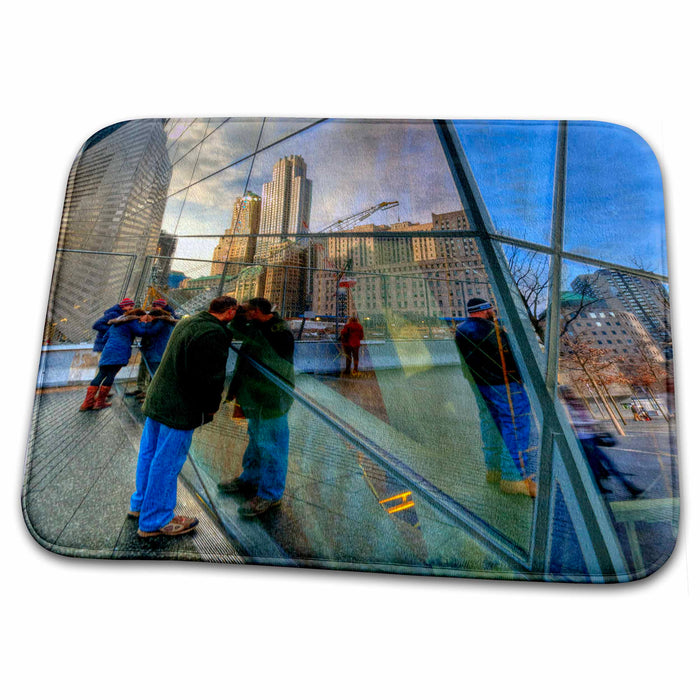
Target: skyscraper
x: 239, y: 245
x: 115, y: 199
x: 286, y: 204
x: 645, y: 298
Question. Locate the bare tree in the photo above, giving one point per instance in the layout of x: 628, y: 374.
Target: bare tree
x: 597, y: 365
x: 530, y: 271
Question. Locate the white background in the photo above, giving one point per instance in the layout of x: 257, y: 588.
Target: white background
x: 87, y: 629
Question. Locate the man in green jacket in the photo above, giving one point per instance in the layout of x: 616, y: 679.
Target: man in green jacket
x: 265, y: 398
x: 184, y: 394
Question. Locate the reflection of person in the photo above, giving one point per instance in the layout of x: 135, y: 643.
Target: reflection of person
x: 268, y: 342
x: 351, y: 337
x: 102, y: 324
x: 503, y: 404
x: 115, y: 355
x: 184, y: 394
x: 153, y: 346
x: 590, y: 438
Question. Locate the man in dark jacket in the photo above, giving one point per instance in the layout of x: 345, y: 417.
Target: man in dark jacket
x: 504, y: 409
x: 184, y: 394
x: 265, y: 399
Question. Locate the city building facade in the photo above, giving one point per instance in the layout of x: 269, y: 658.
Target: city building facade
x: 647, y: 299
x: 238, y: 245
x: 115, y: 199
x: 286, y: 204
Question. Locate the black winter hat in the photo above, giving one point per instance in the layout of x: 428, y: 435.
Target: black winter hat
x: 478, y: 304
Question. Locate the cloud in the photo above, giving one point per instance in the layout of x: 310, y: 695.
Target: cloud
x: 353, y: 165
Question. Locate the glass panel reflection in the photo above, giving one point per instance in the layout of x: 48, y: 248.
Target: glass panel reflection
x: 341, y: 506
x: 616, y: 382
x: 513, y: 163
x: 415, y: 433
x: 614, y: 197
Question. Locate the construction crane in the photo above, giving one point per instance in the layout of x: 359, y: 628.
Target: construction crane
x: 341, y: 225
x: 350, y: 221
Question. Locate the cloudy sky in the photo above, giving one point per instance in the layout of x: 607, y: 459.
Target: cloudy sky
x: 614, y: 192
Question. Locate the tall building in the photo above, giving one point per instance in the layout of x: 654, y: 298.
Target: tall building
x: 286, y: 205
x: 115, y: 199
x: 645, y: 298
x: 162, y: 264
x: 285, y: 277
x: 239, y: 244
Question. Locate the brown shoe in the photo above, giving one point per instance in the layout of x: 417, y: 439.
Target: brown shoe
x: 526, y: 487
x: 257, y: 506
x: 245, y: 488
x: 493, y: 476
x: 179, y: 525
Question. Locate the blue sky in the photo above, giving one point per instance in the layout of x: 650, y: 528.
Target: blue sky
x: 614, y: 202
x: 614, y: 192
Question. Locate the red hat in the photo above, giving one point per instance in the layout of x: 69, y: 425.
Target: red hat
x: 126, y: 302
x: 160, y: 302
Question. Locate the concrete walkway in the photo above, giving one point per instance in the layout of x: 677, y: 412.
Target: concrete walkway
x: 80, y: 476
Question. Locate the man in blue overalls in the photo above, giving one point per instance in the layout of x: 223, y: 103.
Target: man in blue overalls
x: 504, y: 409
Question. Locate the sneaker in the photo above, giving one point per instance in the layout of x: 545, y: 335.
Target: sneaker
x: 526, y: 487
x: 179, y: 525
x: 257, y: 506
x: 133, y: 514
x: 238, y: 486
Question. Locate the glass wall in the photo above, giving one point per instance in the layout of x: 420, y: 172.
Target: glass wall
x: 510, y: 412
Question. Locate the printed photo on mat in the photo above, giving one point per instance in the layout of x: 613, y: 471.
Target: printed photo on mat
x: 426, y: 347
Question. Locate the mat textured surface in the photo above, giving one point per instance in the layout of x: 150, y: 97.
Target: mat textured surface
x: 428, y: 347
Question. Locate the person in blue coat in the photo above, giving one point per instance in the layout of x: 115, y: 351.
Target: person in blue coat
x: 115, y: 355
x: 153, y: 346
x: 102, y: 326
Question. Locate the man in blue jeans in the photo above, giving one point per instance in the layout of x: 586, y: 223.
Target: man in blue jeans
x: 268, y: 344
x: 504, y: 409
x: 184, y: 394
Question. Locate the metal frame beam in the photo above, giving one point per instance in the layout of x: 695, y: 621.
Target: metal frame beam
x: 599, y: 543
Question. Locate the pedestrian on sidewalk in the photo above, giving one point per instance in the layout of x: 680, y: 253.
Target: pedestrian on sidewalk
x: 153, y: 346
x: 115, y: 355
x: 102, y: 326
x: 504, y: 408
x: 183, y: 395
x: 351, y: 337
x: 267, y: 343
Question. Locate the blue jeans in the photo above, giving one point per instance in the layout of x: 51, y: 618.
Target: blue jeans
x: 162, y: 453
x: 502, y: 426
x: 265, y: 458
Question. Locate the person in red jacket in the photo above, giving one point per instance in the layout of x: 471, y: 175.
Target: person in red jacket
x: 351, y: 336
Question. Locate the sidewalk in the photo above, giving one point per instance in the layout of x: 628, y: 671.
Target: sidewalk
x: 79, y: 480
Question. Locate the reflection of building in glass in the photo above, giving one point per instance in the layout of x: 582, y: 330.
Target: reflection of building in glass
x: 286, y: 204
x: 285, y: 277
x: 249, y: 284
x: 205, y: 283
x: 645, y: 298
x: 162, y: 264
x: 115, y: 199
x: 245, y: 224
x: 414, y: 275
x: 619, y: 332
